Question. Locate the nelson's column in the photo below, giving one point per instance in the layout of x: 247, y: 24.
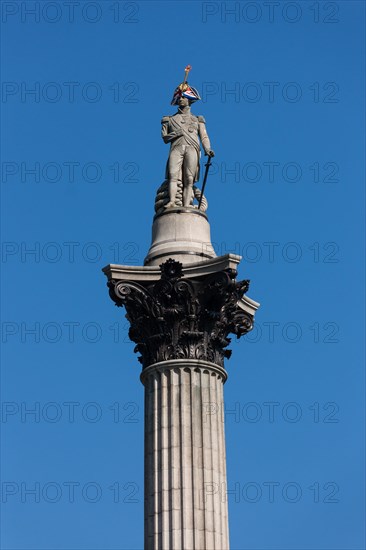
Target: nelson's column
x: 181, y: 305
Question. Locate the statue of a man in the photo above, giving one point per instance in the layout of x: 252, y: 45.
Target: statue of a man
x: 184, y: 131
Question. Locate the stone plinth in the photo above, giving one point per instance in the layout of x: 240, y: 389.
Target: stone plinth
x: 185, y: 461
x: 182, y: 234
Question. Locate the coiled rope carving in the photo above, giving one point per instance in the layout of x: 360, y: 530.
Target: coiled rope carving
x: 162, y: 197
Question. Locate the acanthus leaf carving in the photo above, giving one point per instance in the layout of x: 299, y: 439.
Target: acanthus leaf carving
x: 177, y: 318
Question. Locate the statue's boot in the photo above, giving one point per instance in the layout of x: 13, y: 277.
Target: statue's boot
x: 188, y: 195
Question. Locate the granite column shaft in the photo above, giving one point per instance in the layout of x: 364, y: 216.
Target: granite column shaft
x: 185, y: 459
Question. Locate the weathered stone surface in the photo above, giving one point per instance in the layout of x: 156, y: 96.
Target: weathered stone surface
x: 162, y: 197
x: 184, y: 131
x: 182, y: 234
x: 150, y: 273
x: 185, y: 466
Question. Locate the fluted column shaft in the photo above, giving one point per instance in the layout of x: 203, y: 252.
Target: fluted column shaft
x: 185, y: 459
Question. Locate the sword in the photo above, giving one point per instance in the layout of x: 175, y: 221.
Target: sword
x: 208, y: 164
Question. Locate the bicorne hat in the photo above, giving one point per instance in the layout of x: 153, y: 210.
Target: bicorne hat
x: 185, y: 90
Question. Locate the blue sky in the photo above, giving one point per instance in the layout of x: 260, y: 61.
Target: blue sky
x: 283, y: 95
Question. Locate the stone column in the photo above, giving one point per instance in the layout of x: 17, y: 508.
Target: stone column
x: 185, y: 460
x: 180, y: 318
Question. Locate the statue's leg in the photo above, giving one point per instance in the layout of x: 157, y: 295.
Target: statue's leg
x: 175, y: 170
x: 189, y: 171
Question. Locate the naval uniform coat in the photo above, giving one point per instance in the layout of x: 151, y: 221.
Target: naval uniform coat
x: 181, y: 130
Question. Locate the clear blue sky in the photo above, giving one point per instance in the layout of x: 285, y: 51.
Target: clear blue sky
x: 293, y: 131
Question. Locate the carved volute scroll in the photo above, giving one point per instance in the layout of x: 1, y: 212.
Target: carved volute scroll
x: 180, y: 318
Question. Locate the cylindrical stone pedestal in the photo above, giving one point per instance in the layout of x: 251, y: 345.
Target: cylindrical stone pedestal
x: 185, y: 459
x: 182, y: 233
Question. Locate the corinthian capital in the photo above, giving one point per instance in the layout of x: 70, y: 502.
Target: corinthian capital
x: 176, y: 317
